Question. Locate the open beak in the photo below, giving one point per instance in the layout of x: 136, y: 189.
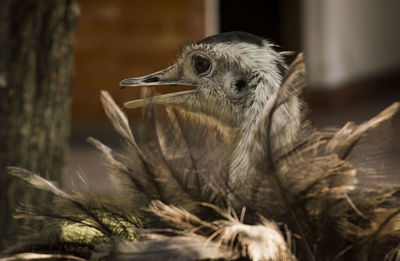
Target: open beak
x: 169, y: 76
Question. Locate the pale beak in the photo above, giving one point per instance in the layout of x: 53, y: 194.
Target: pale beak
x: 169, y: 76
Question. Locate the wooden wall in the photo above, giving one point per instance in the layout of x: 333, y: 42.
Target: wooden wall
x: 126, y: 38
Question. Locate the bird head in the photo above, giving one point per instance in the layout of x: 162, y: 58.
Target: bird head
x: 232, y: 74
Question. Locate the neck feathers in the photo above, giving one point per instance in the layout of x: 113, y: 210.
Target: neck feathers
x: 252, y: 147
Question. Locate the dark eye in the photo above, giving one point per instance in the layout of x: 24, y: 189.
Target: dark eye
x: 200, y: 64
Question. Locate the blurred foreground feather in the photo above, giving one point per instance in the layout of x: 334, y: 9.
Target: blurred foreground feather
x: 173, y: 199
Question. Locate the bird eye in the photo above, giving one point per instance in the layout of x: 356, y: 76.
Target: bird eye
x: 201, y: 65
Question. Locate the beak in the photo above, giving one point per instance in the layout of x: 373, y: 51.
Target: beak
x: 169, y: 76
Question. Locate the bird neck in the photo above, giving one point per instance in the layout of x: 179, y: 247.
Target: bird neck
x: 243, y: 157
x: 251, y: 148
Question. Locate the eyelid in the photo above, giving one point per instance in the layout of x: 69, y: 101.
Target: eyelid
x: 203, y: 57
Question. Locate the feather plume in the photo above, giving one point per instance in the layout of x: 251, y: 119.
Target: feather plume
x: 173, y: 198
x: 196, y: 239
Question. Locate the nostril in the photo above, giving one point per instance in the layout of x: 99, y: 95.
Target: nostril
x: 151, y: 79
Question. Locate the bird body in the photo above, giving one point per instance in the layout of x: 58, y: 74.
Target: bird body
x: 310, y: 183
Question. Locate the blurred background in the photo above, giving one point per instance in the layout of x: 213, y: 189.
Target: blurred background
x: 352, y: 50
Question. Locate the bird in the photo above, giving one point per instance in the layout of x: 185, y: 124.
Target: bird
x: 233, y: 74
x: 228, y: 170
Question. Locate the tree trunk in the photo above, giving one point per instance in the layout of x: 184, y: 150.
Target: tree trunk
x: 36, y: 58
